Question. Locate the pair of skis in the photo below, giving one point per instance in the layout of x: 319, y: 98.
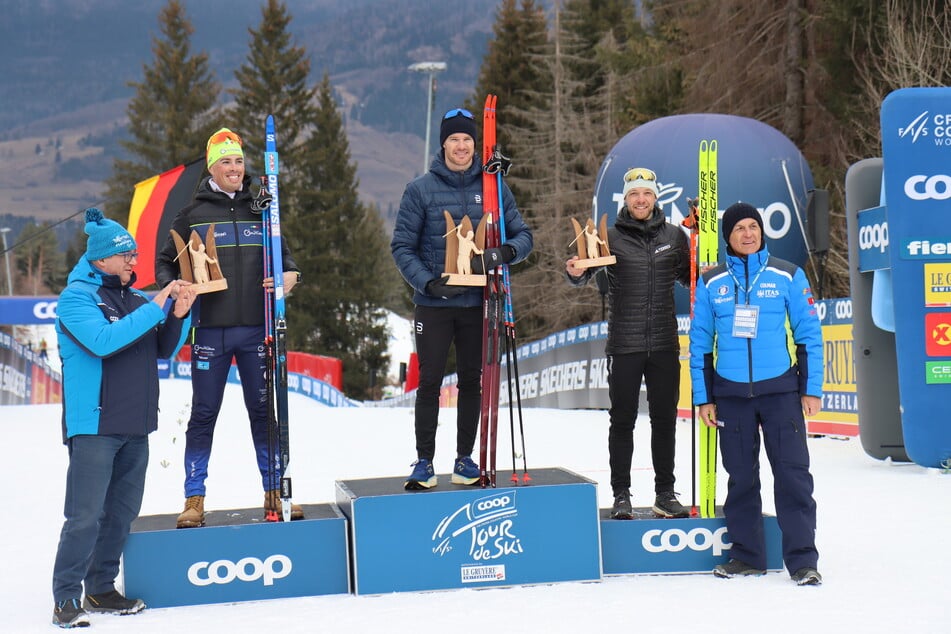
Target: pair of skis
x: 275, y: 333
x: 704, y: 252
x: 498, y: 323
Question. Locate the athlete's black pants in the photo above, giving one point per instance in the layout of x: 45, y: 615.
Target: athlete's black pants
x: 661, y: 372
x: 436, y: 329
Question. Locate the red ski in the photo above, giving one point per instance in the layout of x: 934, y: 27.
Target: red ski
x: 493, y: 305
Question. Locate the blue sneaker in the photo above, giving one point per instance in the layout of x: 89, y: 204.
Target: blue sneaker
x: 465, y: 471
x: 422, y: 477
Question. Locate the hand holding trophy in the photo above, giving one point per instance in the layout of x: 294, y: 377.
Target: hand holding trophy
x: 462, y: 243
x: 198, y: 262
x: 593, y: 249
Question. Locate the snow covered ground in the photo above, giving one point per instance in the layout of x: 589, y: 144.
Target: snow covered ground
x: 883, y: 531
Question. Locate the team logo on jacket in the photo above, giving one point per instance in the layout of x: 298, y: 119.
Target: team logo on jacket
x: 723, y: 293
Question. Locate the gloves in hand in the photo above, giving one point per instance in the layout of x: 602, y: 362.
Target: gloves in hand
x: 492, y: 258
x: 439, y: 287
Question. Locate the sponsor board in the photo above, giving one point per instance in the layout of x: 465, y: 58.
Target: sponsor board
x: 916, y: 123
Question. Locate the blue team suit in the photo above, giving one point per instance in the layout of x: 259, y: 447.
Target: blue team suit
x: 756, y: 383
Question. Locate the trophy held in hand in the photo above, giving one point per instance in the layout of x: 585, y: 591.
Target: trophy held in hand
x: 593, y: 249
x: 198, y: 262
x: 462, y: 243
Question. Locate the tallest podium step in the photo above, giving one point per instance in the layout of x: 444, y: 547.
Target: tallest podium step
x: 466, y: 536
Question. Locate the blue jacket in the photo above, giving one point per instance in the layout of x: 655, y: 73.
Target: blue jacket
x: 110, y: 339
x: 785, y: 355
x: 419, y: 245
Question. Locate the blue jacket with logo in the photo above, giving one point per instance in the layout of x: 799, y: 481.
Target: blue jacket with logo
x: 786, y: 353
x: 419, y: 242
x: 110, y: 339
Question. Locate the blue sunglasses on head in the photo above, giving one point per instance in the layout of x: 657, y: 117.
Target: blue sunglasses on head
x: 456, y: 112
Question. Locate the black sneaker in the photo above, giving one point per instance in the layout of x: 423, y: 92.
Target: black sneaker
x: 112, y: 603
x: 69, y: 613
x: 807, y: 577
x: 736, y: 568
x: 666, y: 504
x: 622, y: 509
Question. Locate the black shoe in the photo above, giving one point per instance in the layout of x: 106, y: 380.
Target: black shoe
x: 736, y: 568
x: 622, y: 509
x: 69, y: 613
x: 666, y: 504
x: 112, y: 603
x: 807, y: 577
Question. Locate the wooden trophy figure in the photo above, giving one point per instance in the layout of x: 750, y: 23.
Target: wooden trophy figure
x: 592, y: 244
x: 198, y: 262
x: 461, y: 244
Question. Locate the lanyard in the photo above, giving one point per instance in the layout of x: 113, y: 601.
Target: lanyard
x: 747, y: 289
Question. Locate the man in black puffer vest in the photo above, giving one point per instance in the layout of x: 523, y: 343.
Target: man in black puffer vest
x: 642, y: 337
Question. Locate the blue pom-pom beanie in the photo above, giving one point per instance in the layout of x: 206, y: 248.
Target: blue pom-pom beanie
x: 106, y: 237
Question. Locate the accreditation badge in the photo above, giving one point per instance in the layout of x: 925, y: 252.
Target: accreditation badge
x: 745, y: 321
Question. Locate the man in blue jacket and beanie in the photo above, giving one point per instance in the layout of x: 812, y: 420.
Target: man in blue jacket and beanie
x: 445, y: 314
x: 110, y: 338
x: 756, y: 364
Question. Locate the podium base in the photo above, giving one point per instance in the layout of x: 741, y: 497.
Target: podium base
x: 236, y: 556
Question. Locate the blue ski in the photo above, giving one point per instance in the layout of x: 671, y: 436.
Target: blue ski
x: 275, y: 331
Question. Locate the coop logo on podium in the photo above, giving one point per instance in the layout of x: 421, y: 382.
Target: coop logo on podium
x: 486, y: 528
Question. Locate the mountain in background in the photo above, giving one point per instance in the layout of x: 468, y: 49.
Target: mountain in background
x: 66, y: 65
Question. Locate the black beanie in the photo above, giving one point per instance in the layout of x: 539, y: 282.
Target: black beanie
x: 735, y: 213
x: 458, y: 123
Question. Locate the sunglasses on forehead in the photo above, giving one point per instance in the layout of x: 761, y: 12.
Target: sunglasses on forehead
x: 639, y: 174
x: 456, y: 112
x: 221, y: 137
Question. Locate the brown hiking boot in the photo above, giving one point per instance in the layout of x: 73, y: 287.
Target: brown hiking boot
x: 194, y: 513
x: 272, y: 502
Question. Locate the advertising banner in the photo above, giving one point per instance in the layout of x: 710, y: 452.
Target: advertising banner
x: 916, y: 143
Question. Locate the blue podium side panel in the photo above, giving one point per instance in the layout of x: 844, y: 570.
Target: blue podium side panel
x: 652, y: 545
x: 460, y: 537
x: 234, y: 561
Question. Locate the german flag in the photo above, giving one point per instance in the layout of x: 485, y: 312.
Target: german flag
x: 154, y: 205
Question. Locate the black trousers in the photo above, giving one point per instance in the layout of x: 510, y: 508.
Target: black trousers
x: 661, y: 372
x: 437, y: 329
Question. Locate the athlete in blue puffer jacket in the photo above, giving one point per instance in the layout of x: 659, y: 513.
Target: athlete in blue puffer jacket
x: 110, y: 339
x: 444, y: 313
x: 756, y: 363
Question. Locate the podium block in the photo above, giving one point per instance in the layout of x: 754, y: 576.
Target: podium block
x: 237, y: 556
x: 466, y: 536
x: 648, y: 544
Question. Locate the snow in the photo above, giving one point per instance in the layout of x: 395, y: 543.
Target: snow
x: 881, y: 534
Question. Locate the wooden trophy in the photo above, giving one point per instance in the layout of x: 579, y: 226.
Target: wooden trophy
x: 593, y: 247
x: 461, y: 244
x: 198, y: 262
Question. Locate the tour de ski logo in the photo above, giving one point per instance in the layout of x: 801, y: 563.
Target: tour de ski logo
x: 486, y: 529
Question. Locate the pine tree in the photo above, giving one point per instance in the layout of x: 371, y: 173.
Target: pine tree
x: 346, y: 265
x: 274, y: 81
x: 171, y: 114
x: 509, y: 71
